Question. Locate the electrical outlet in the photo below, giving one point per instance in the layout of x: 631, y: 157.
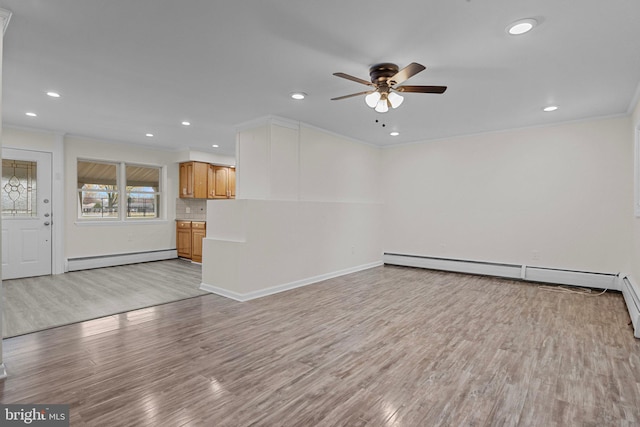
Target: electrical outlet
x: 188, y: 209
x: 353, y: 250
x: 535, y: 255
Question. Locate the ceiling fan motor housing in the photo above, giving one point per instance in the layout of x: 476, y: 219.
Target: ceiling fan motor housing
x: 381, y: 73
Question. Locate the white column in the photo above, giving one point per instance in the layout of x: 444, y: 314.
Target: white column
x: 5, y: 15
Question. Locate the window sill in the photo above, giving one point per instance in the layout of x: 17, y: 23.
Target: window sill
x: 118, y: 222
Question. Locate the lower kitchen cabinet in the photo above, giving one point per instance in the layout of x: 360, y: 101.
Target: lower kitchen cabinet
x: 189, y: 235
x: 198, y: 232
x: 183, y: 239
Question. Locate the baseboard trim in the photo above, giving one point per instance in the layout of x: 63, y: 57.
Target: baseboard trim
x: 460, y: 266
x: 285, y: 287
x: 512, y: 271
x: 86, y: 263
x: 631, y: 294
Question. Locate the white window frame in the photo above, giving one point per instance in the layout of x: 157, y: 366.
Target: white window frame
x: 79, y: 193
x: 121, y: 181
x: 159, y: 193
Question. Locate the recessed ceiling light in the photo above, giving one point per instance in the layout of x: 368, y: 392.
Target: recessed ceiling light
x: 550, y: 108
x: 215, y: 146
x: 53, y: 94
x: 298, y: 95
x: 150, y: 135
x: 186, y: 123
x: 522, y: 26
x: 394, y: 133
x: 30, y: 114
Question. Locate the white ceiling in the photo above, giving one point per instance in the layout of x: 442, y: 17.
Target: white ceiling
x: 125, y: 68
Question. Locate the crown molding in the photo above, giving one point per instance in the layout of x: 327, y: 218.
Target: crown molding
x: 5, y: 16
x: 268, y: 120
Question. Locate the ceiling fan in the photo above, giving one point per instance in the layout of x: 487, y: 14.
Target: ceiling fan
x: 385, y: 79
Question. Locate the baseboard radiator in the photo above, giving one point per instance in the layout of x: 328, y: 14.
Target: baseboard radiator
x: 631, y: 294
x: 512, y: 271
x: 86, y: 263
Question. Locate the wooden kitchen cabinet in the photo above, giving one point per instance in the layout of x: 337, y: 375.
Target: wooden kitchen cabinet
x: 198, y: 232
x: 186, y: 179
x: 200, y: 172
x: 222, y: 182
x: 206, y: 181
x: 183, y: 239
x: 189, y: 235
x: 193, y: 180
x: 232, y: 183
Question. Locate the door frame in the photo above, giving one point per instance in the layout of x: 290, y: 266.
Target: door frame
x: 39, y: 260
x: 57, y: 197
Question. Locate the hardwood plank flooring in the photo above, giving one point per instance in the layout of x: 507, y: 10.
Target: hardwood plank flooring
x: 37, y: 303
x: 390, y: 346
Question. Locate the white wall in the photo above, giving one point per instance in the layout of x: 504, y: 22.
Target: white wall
x: 199, y: 156
x: 276, y: 243
x: 338, y: 169
x: 556, y: 196
x: 91, y: 239
x: 28, y: 139
x: 634, y: 262
x: 308, y: 207
x: 4, y: 15
x: 252, y: 166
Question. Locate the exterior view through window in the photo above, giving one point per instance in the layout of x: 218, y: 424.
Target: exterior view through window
x: 143, y: 185
x: 105, y: 192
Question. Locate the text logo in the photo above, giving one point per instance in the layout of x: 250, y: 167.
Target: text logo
x: 34, y: 415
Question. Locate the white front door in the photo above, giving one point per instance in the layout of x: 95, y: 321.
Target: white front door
x: 26, y: 213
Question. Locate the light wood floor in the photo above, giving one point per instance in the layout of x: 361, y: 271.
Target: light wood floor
x: 38, y: 303
x: 389, y: 346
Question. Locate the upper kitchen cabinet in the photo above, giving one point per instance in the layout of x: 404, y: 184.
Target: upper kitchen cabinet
x: 232, y: 183
x: 200, y: 171
x: 222, y: 182
x: 200, y: 180
x: 186, y: 180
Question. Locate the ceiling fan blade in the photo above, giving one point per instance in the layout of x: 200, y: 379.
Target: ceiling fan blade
x: 421, y: 89
x: 353, y: 94
x: 353, y: 79
x: 406, y: 73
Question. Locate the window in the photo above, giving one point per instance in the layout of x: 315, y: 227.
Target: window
x: 143, y: 195
x: 118, y: 191
x: 98, y: 189
x: 19, y: 188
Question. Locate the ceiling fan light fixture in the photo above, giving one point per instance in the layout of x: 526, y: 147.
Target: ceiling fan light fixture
x: 395, y: 100
x: 372, y: 99
x: 522, y: 26
x: 383, y: 88
x: 382, y: 106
